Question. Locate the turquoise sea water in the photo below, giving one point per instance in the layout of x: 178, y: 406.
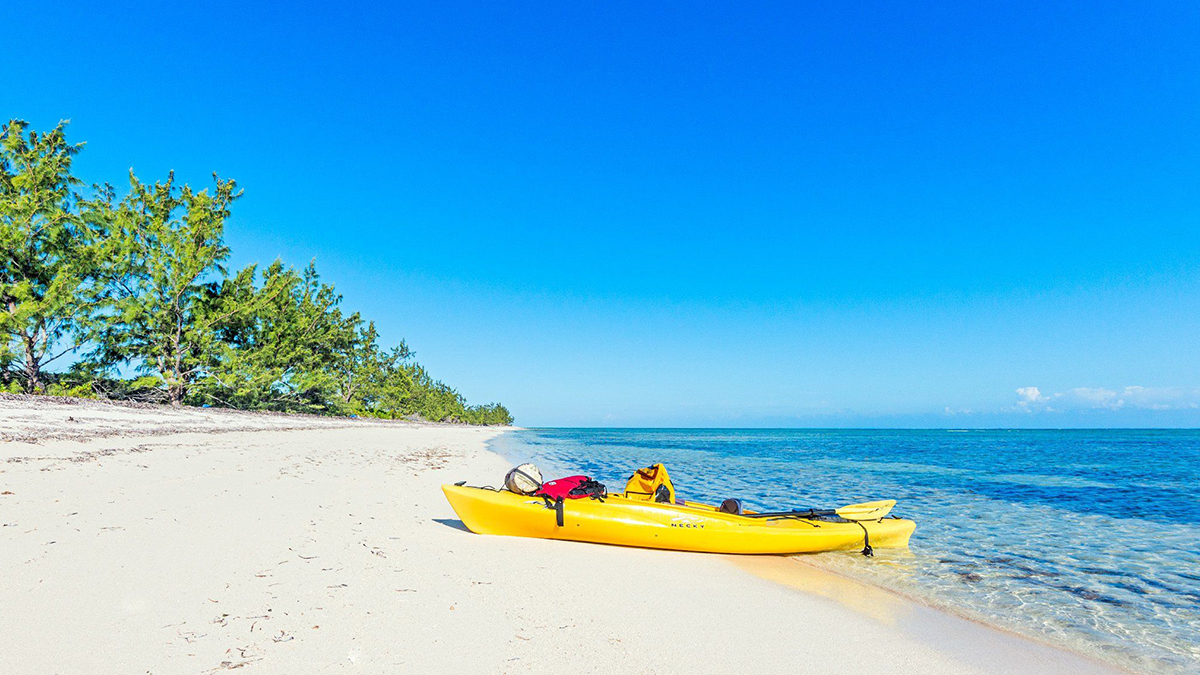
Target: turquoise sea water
x: 1085, y: 538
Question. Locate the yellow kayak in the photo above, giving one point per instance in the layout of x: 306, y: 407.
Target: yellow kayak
x: 687, y: 526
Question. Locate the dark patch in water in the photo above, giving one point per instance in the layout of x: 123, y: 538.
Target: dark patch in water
x: 1160, y: 585
x: 1029, y: 571
x: 1130, y: 587
x: 1100, y: 570
x: 1089, y: 594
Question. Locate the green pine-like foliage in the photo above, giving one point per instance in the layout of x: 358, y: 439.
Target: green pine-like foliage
x: 136, y: 290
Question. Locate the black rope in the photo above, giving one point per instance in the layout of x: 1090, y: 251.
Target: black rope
x: 463, y: 483
x: 531, y: 478
x: 806, y: 521
x: 807, y: 513
x: 867, y: 550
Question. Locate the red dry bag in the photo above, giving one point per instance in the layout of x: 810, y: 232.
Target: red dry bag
x: 562, y: 488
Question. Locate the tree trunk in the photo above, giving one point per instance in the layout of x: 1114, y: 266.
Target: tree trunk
x: 177, y: 386
x: 33, y: 370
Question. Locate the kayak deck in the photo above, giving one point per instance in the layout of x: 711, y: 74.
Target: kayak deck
x: 680, y: 527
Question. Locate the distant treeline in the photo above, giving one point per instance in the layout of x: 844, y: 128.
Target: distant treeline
x: 137, y: 284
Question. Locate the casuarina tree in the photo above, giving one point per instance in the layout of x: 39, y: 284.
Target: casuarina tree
x: 48, y: 260
x: 164, y: 261
x: 281, y: 343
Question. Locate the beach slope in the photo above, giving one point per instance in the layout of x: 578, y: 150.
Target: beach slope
x: 189, y: 541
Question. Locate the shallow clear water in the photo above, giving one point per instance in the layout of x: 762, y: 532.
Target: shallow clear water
x: 1085, y: 538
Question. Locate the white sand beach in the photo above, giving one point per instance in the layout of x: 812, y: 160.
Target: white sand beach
x: 153, y: 540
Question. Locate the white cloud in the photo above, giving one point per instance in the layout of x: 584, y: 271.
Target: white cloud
x: 1098, y: 397
x: 1162, y: 398
x: 1029, y: 396
x: 1133, y: 397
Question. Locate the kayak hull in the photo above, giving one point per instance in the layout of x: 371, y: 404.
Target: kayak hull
x: 629, y: 522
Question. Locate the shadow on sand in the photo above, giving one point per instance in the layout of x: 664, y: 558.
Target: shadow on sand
x: 452, y: 522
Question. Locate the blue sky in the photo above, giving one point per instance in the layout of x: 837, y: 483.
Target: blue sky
x: 692, y: 214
